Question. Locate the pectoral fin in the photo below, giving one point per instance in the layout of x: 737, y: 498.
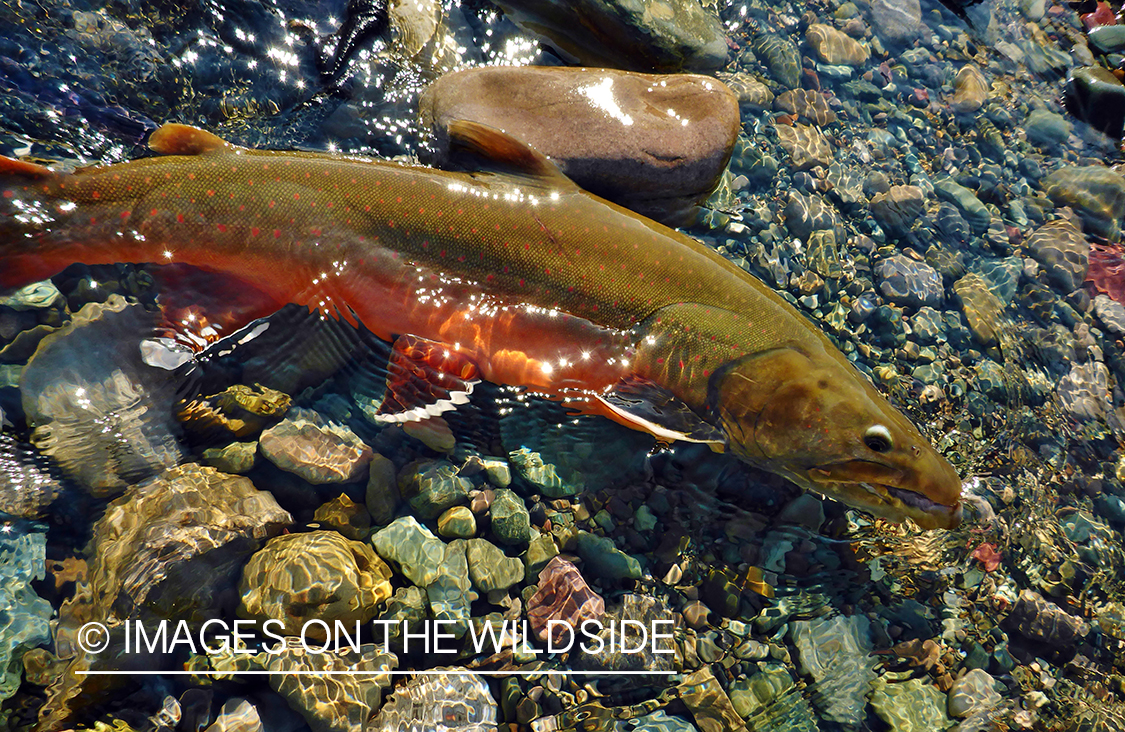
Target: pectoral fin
x: 646, y: 406
x: 424, y: 379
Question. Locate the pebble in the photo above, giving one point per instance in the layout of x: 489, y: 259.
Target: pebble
x: 236, y: 458
x: 432, y: 486
x: 511, y: 522
x: 966, y: 202
x: 382, y: 495
x: 834, y: 47
x: 412, y: 548
x: 898, y: 208
x: 345, y: 516
x: 1063, y: 251
x: 457, y: 523
x: 1111, y: 313
x: 896, y: 21
x: 490, y: 569
x: 317, y: 452
x: 562, y: 596
x: 908, y: 282
x: 972, y: 693
x: 1045, y: 128
x: 970, y: 90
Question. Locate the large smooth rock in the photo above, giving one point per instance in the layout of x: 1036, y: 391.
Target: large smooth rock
x: 1096, y: 193
x: 95, y: 407
x: 834, y: 47
x: 319, y: 574
x: 1064, y: 253
x: 654, y: 144
x: 1094, y: 95
x: 897, y: 21
x: 641, y: 35
x: 970, y: 90
x: 175, y: 543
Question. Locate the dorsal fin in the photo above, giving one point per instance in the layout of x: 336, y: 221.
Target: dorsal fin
x: 177, y: 139
x: 23, y: 169
x: 497, y: 150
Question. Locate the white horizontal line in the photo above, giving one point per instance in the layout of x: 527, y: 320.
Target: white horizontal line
x: 430, y: 672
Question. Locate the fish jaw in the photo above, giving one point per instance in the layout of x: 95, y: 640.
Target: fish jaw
x: 885, y: 493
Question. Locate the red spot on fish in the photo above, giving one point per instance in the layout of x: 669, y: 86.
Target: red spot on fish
x: 222, y: 228
x: 277, y: 233
x: 96, y: 194
x: 273, y: 203
x: 125, y: 214
x: 210, y: 192
x: 179, y: 218
x: 660, y: 360
x: 8, y: 194
x: 521, y: 283
x: 191, y: 176
x: 296, y: 196
x: 152, y: 212
x: 254, y: 231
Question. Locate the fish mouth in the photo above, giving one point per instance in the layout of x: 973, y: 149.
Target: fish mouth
x: 888, y: 501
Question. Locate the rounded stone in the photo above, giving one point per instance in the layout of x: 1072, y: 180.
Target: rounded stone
x: 834, y: 47
x: 511, y: 522
x: 298, y: 577
x: 1097, y: 97
x: 457, y: 523
x: 655, y: 144
x: 970, y: 90
x: 315, y: 452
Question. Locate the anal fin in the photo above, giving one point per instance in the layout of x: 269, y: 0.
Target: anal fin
x: 645, y: 405
x: 425, y: 379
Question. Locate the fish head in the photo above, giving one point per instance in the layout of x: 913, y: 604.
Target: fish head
x: 820, y: 423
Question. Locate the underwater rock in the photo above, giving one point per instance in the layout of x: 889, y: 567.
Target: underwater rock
x: 898, y: 208
x: 511, y: 522
x: 896, y: 21
x: 655, y: 144
x: 834, y: 47
x: 751, y: 93
x: 605, y: 560
x: 237, y: 715
x: 295, y: 578
x: 540, y: 551
x: 1042, y: 621
x: 679, y: 35
x: 431, y: 486
x: 490, y: 569
x: 643, y: 611
x: 1084, y: 391
x: 562, y: 595
x: 908, y: 282
x: 317, y: 684
x: 780, y: 56
x: 29, y: 484
x: 1096, y: 193
x: 805, y: 146
x: 910, y: 706
x: 317, y: 452
x: 457, y: 523
x: 981, y: 308
x: 95, y: 407
x: 237, y: 458
x: 25, y: 616
x: 453, y: 701
x: 970, y: 90
x: 972, y: 693
x: 408, y: 607
x: 1095, y: 96
x: 1045, y: 128
x: 976, y: 213
x: 836, y: 653
x: 345, y: 516
x: 1111, y: 313
x: 809, y: 104
x: 805, y: 214
x: 382, y: 495
x: 543, y: 476
x: 239, y: 411
x: 451, y: 594
x: 412, y: 548
x: 708, y: 703
x: 172, y: 545
x: 1064, y: 253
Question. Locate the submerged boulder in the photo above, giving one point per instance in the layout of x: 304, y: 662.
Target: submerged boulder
x: 655, y: 144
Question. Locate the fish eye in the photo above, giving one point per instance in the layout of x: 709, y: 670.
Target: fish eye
x: 878, y: 438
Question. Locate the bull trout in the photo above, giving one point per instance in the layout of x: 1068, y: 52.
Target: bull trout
x: 515, y: 276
